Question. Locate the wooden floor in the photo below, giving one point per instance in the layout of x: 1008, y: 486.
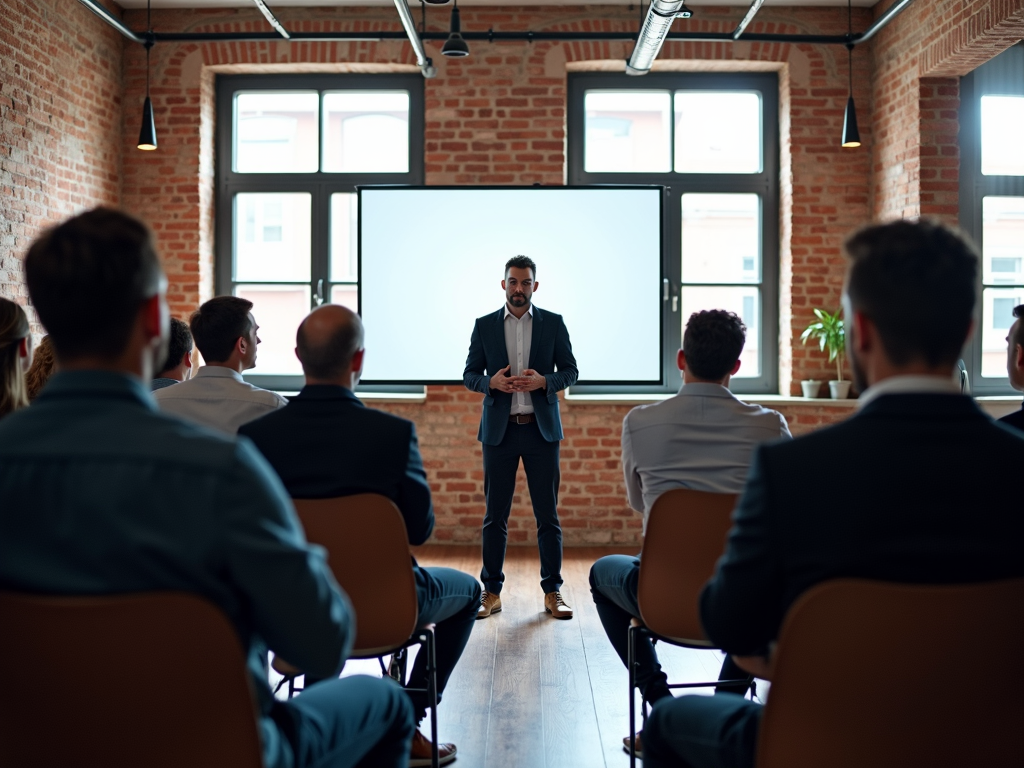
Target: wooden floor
x: 533, y: 692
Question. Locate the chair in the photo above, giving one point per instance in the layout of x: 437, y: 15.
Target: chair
x: 149, y: 679
x: 686, y: 534
x: 368, y: 551
x: 931, y: 677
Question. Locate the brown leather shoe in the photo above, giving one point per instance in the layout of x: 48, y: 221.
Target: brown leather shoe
x: 555, y: 605
x: 419, y: 755
x: 489, y: 603
x: 639, y: 745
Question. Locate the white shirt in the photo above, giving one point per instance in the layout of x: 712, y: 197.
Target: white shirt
x: 702, y: 439
x: 518, y: 337
x: 219, y: 398
x: 909, y: 385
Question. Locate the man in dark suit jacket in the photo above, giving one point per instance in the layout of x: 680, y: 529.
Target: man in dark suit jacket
x: 519, y: 359
x: 929, y: 495
x: 325, y: 443
x: 1015, y: 364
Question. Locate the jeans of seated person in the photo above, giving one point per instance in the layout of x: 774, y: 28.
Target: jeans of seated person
x: 449, y: 599
x: 702, y: 732
x: 613, y: 583
x: 354, y: 722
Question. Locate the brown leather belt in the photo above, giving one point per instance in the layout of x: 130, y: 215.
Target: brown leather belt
x: 522, y: 418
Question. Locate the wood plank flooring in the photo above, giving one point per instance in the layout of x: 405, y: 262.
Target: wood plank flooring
x: 533, y: 692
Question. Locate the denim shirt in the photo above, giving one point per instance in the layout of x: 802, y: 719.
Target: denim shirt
x: 102, y: 494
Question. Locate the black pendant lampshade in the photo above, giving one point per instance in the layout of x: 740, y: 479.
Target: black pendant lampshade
x: 455, y: 46
x: 851, y: 136
x: 147, y: 136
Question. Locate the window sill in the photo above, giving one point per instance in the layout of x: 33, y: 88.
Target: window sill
x: 759, y: 399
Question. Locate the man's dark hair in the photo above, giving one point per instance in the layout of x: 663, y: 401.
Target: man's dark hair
x: 1018, y: 337
x: 712, y: 343
x: 217, y: 325
x: 329, y: 357
x: 916, y: 281
x: 521, y: 262
x: 179, y: 345
x: 88, y: 278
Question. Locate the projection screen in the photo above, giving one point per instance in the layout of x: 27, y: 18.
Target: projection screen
x: 431, y: 261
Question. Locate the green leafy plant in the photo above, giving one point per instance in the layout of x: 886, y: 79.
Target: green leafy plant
x: 830, y: 333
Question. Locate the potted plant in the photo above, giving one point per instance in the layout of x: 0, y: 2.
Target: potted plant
x: 830, y: 333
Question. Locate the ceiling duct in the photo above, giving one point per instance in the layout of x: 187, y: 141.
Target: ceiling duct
x: 422, y: 60
x: 652, y: 35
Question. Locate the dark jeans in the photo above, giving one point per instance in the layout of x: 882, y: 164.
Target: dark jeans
x: 702, y: 732
x: 501, y: 462
x: 355, y: 722
x: 449, y: 599
x: 613, y: 583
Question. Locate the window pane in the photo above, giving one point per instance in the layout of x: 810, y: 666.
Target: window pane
x: 278, y: 310
x: 366, y: 132
x: 721, y: 238
x: 276, y: 132
x: 718, y: 132
x: 627, y: 131
x: 1002, y: 238
x: 997, y: 317
x: 346, y: 295
x: 344, y: 228
x: 272, y: 236
x: 1002, y: 125
x: 744, y: 301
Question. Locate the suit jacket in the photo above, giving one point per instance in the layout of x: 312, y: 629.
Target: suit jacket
x: 326, y: 443
x: 1015, y: 419
x: 916, y: 488
x: 550, y: 355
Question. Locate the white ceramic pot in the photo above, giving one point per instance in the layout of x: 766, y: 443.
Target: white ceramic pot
x: 840, y: 389
x: 811, y: 387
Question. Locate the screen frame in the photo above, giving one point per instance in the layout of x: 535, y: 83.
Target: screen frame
x: 590, y: 386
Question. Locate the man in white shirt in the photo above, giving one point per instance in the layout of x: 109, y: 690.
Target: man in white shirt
x: 702, y: 439
x: 225, y: 332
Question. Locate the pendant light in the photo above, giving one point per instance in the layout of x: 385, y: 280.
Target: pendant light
x: 851, y: 136
x: 147, y: 136
x: 455, y: 46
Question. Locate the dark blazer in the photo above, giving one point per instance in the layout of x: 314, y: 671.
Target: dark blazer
x: 916, y: 488
x: 1015, y: 419
x: 326, y: 443
x: 550, y: 355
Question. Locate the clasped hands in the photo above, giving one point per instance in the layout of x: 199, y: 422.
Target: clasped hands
x: 528, y: 381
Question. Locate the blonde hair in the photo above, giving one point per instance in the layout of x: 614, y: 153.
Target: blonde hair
x: 44, y: 363
x: 13, y: 328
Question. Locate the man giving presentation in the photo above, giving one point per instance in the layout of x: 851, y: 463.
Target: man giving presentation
x: 519, y: 359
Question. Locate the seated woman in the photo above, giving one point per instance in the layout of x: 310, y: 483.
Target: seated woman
x: 15, y: 356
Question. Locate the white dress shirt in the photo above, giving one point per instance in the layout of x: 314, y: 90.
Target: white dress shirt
x: 702, y: 439
x: 909, y: 385
x: 219, y: 398
x: 518, y: 337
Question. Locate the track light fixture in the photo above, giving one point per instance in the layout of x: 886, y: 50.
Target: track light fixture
x: 147, y: 135
x: 851, y: 136
x: 455, y: 46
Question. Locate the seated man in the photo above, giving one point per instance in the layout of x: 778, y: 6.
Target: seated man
x: 84, y: 475
x: 217, y: 396
x: 326, y: 443
x: 929, y: 495
x: 1015, y: 364
x: 701, y: 439
x: 178, y: 366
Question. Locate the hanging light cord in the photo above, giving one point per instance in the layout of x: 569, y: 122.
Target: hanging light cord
x: 149, y: 39
x: 849, y: 41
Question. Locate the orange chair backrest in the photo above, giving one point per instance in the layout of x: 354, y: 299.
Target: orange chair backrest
x: 894, y: 675
x: 686, y: 534
x: 148, y: 679
x: 368, y: 550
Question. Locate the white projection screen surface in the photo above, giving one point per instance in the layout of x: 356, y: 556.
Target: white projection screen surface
x: 431, y: 261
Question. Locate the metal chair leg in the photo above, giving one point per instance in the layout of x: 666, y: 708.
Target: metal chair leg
x: 631, y: 665
x: 432, y: 695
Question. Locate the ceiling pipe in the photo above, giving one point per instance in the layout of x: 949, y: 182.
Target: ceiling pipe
x: 894, y: 10
x: 653, y: 33
x: 272, y: 19
x: 112, y: 20
x: 751, y: 13
x: 422, y: 60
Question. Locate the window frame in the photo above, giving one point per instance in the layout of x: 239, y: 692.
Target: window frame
x: 765, y: 184
x: 976, y: 186
x: 319, y: 184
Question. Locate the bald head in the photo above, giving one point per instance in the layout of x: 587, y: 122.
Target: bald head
x: 328, y: 342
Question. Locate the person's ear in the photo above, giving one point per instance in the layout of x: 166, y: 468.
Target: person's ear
x: 503, y: 286
x: 357, y: 361
x: 863, y: 332
x: 1020, y: 356
x: 186, y: 359
x: 736, y: 367
x: 152, y: 317
x: 536, y: 285
x: 241, y: 345
x: 681, y: 360
x: 25, y: 347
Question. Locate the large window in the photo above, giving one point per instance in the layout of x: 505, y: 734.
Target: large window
x: 291, y: 150
x: 711, y: 140
x: 992, y: 206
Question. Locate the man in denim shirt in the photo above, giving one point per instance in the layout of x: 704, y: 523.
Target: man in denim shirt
x: 84, y: 476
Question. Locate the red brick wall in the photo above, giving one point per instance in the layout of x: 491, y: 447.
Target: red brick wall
x: 60, y: 122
